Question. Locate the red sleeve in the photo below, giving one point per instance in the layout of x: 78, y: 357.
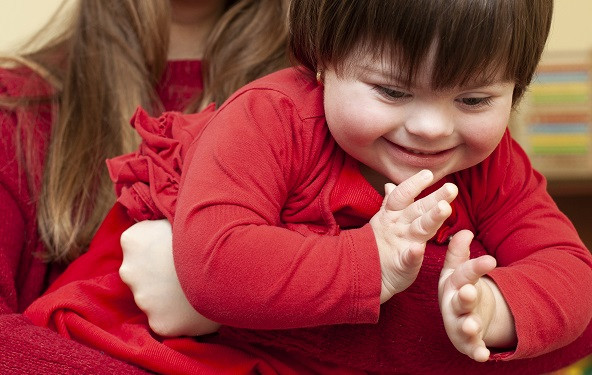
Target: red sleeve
x: 237, y: 261
x: 544, y: 270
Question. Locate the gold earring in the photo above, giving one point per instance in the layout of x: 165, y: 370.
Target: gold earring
x: 320, y: 77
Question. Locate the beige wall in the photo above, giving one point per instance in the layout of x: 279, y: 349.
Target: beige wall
x: 572, y: 25
x: 20, y: 18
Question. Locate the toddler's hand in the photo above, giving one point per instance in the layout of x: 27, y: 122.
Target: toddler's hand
x: 467, y: 299
x: 402, y: 227
x: 149, y: 271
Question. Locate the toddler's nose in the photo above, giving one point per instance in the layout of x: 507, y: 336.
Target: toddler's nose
x: 430, y: 122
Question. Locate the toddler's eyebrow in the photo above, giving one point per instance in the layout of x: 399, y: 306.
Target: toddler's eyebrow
x: 388, y: 74
x: 491, y: 82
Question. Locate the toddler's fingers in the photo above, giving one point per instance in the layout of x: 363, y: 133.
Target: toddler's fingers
x: 465, y: 300
x: 425, y: 227
x: 388, y: 189
x: 471, y: 326
x: 475, y: 348
x: 472, y: 270
x: 447, y: 193
x: 404, y: 194
x: 413, y: 257
x: 481, y: 353
x: 469, y: 340
x: 458, y: 250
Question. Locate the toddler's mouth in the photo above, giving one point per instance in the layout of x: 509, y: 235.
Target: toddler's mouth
x: 421, y: 152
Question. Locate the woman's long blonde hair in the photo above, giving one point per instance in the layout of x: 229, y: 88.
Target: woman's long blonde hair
x: 105, y: 63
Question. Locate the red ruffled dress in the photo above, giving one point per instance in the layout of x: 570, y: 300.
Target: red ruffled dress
x: 90, y: 304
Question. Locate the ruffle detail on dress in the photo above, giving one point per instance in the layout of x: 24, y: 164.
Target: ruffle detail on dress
x: 147, y: 181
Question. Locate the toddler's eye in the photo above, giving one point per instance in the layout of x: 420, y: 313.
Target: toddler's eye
x: 475, y: 101
x: 391, y: 94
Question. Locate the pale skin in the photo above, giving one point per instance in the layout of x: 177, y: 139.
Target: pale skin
x: 405, y: 138
x: 474, y: 311
x: 396, y: 131
x: 191, y: 23
x: 168, y: 310
x: 402, y: 227
x: 475, y: 314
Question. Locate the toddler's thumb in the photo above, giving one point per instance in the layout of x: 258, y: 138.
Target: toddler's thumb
x: 458, y: 249
x: 388, y: 189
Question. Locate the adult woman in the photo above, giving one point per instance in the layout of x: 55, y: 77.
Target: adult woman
x: 65, y: 108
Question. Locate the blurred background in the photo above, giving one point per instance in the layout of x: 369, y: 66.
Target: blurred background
x: 22, y: 18
x: 553, y: 122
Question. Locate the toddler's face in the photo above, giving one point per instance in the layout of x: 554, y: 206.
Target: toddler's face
x: 395, y: 131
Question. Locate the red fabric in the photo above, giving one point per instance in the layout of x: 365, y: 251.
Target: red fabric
x: 27, y: 348
x: 296, y: 181
x: 181, y: 82
x: 22, y: 275
x: 147, y: 181
x: 267, y: 162
x: 90, y: 304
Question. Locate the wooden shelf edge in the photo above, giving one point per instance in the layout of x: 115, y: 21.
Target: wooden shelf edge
x: 569, y: 187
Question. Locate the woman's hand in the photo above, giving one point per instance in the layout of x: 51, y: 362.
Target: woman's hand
x: 149, y: 271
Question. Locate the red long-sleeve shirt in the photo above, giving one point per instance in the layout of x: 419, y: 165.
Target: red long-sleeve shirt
x: 25, y: 348
x: 271, y: 233
x: 513, y: 217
